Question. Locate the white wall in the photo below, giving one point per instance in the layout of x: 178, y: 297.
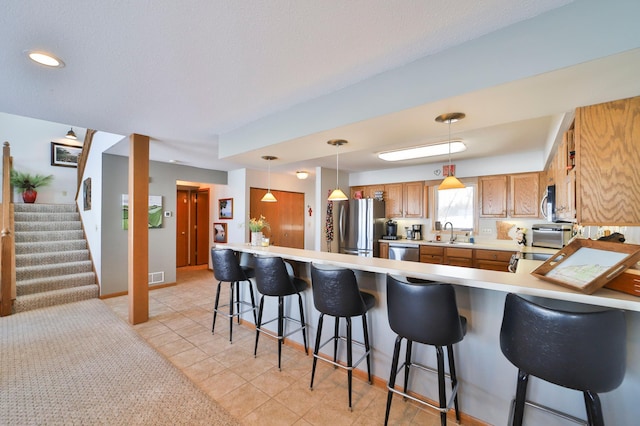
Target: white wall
x: 30, y: 142
x: 92, y: 218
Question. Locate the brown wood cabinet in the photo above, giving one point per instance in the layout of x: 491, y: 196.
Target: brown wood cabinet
x: 492, y: 193
x: 515, y: 195
x: 494, y: 260
x: 383, y: 251
x: 367, y: 191
x: 404, y: 199
x: 607, y: 158
x: 455, y: 256
x: 431, y: 254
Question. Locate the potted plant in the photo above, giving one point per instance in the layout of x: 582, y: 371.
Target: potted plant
x: 256, y: 226
x: 27, y: 183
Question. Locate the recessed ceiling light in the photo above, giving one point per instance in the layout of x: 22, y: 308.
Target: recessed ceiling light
x: 44, y: 58
x: 423, y: 151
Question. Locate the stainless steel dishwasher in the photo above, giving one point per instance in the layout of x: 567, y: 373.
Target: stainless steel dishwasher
x: 410, y: 253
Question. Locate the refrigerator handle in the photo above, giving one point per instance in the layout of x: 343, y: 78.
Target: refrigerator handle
x: 341, y: 219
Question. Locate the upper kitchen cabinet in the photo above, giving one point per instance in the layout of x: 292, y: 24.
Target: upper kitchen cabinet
x: 366, y: 191
x: 607, y: 137
x: 492, y: 193
x: 524, y: 195
x: 509, y: 195
x: 404, y: 199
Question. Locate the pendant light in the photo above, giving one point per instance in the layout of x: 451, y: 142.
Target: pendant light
x: 450, y: 181
x: 71, y: 134
x: 268, y: 197
x: 337, y: 194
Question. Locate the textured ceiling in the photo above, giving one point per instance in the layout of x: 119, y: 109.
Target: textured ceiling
x: 186, y: 72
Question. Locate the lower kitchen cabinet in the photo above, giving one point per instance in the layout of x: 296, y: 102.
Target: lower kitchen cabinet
x: 383, y: 250
x: 494, y: 260
x: 431, y: 254
x: 455, y: 256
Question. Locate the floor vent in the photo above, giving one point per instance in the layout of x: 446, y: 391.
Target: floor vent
x: 156, y: 277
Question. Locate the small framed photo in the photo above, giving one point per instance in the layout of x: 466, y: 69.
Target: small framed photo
x: 448, y: 170
x: 86, y: 193
x: 225, y: 210
x: 219, y: 232
x: 64, y: 155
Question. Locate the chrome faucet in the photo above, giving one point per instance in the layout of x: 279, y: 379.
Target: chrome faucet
x: 452, y: 239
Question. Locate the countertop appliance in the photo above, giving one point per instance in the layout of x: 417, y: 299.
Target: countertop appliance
x: 361, y: 223
x: 392, y: 230
x: 410, y: 253
x: 417, y: 231
x: 551, y: 235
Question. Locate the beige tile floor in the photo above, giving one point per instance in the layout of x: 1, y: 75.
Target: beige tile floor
x: 253, y: 389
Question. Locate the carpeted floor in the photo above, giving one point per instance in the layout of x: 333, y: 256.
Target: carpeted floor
x: 79, y: 363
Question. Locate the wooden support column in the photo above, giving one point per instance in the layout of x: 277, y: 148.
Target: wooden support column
x: 138, y: 229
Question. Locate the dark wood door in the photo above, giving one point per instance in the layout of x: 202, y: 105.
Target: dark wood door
x: 202, y: 227
x: 182, y: 228
x: 192, y: 227
x: 285, y: 217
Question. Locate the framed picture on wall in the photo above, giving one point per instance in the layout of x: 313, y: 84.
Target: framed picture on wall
x: 86, y: 193
x: 225, y: 208
x: 219, y: 232
x: 64, y: 155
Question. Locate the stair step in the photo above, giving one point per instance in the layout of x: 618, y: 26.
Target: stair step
x: 44, y: 208
x: 46, y: 217
x: 55, y: 297
x: 40, y: 285
x: 37, y: 236
x: 54, y: 270
x: 47, y: 226
x: 50, y: 246
x: 24, y: 260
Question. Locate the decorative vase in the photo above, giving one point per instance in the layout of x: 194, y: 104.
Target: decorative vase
x: 29, y: 196
x: 256, y: 238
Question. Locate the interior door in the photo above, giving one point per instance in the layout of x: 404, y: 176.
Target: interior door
x: 202, y: 227
x: 182, y: 228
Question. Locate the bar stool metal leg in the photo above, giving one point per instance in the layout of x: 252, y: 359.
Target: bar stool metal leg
x: 366, y: 345
x: 215, y: 307
x: 454, y: 379
x: 441, y: 385
x: 335, y: 340
x: 407, y: 365
x: 316, y: 349
x: 258, y: 325
x: 521, y: 392
x: 304, y: 330
x: 392, y: 377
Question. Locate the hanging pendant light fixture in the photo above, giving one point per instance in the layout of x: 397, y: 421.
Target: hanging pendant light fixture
x: 71, y: 134
x: 450, y: 181
x: 337, y: 194
x: 268, y: 197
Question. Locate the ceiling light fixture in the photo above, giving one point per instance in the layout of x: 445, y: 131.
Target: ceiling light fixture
x: 46, y: 59
x: 301, y: 174
x: 268, y: 197
x: 337, y: 194
x: 423, y: 151
x: 450, y: 181
x: 71, y: 134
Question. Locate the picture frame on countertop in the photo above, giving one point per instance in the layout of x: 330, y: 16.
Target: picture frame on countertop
x: 219, y: 232
x: 225, y: 208
x: 587, y: 265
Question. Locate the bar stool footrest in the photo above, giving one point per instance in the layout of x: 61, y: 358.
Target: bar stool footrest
x: 268, y: 332
x: 330, y: 361
x: 549, y: 410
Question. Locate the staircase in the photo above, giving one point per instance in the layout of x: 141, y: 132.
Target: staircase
x: 52, y: 259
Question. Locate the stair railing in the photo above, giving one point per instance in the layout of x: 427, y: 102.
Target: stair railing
x: 7, y: 243
x: 82, y: 158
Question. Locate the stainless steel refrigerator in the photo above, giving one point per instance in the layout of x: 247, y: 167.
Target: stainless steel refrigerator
x: 360, y: 226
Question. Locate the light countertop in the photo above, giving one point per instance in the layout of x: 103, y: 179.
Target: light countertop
x: 521, y: 283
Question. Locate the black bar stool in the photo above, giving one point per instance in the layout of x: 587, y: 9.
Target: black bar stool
x: 427, y: 313
x: 585, y: 351
x: 227, y: 268
x: 274, y: 277
x: 336, y: 293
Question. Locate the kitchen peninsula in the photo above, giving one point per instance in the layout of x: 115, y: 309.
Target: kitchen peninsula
x: 486, y: 376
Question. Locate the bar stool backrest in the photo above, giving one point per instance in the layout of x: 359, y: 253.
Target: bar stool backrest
x: 272, y: 276
x: 226, y: 266
x: 584, y: 351
x: 336, y: 292
x: 425, y: 313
